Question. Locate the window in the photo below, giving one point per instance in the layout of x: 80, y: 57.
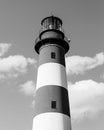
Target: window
x: 53, y: 104
x: 53, y: 55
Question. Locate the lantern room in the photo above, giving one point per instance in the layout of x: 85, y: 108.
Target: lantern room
x: 52, y: 23
x: 51, y: 32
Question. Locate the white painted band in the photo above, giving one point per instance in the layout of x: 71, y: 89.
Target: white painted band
x: 51, y: 121
x: 51, y: 74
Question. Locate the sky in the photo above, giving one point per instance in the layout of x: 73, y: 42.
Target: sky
x: 19, y: 26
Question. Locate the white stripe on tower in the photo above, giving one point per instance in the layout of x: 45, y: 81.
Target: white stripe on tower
x: 51, y: 74
x: 52, y: 121
x: 51, y: 99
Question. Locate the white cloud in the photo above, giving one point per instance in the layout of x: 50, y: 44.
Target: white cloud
x: 13, y: 65
x: 78, y: 64
x: 28, y: 88
x: 86, y: 99
x: 4, y: 47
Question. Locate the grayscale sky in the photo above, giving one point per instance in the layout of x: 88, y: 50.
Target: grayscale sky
x: 83, y: 21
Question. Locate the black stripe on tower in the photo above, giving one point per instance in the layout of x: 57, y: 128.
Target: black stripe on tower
x: 52, y: 53
x: 52, y: 98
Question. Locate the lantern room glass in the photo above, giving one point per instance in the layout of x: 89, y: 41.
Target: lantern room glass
x: 51, y: 23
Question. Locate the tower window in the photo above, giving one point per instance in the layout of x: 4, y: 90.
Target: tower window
x: 53, y: 56
x: 53, y: 104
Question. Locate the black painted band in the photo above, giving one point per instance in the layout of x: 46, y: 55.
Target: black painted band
x: 46, y: 54
x: 52, y: 98
x: 41, y: 42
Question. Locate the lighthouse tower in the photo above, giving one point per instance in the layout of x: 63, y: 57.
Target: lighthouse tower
x: 52, y: 111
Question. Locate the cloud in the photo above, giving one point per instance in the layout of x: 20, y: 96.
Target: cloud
x: 78, y: 65
x: 86, y: 99
x: 28, y: 88
x: 13, y: 65
x: 4, y: 47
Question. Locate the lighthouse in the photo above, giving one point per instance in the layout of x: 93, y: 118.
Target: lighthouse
x: 52, y: 111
